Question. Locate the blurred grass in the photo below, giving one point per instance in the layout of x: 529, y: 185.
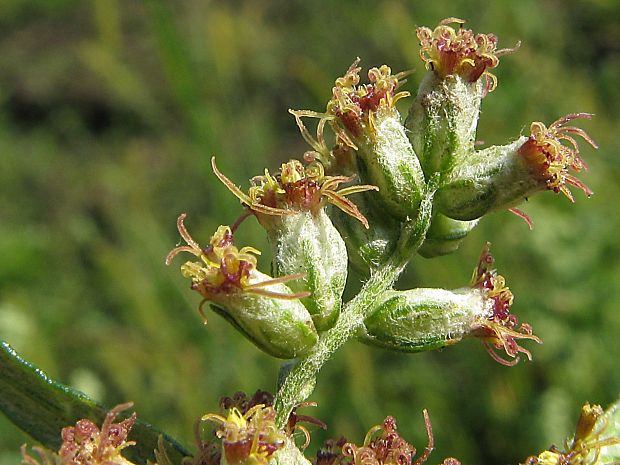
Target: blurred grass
x: 109, y: 113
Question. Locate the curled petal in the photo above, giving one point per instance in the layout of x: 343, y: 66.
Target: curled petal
x: 243, y: 197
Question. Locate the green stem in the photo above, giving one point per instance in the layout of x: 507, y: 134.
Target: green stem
x: 301, y: 378
x: 299, y: 383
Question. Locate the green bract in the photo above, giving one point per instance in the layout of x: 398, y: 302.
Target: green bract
x: 368, y: 247
x: 442, y: 121
x: 486, y: 180
x: 310, y: 244
x: 391, y: 164
x: 445, y: 235
x: 419, y: 319
x: 281, y: 327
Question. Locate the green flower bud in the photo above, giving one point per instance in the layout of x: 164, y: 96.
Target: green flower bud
x: 291, y: 207
x: 263, y: 308
x: 425, y: 319
x: 366, y: 116
x: 442, y: 121
x: 445, y: 235
x: 368, y: 247
x: 501, y: 177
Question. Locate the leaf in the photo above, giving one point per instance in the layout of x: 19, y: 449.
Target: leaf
x: 42, y: 407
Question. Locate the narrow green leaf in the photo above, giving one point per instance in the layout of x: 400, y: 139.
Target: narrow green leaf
x: 42, y: 407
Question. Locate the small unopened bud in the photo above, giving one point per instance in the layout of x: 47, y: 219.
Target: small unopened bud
x: 445, y: 236
x: 501, y: 177
x: 368, y: 247
x: 263, y: 308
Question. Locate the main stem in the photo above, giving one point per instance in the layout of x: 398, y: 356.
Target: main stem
x: 299, y: 382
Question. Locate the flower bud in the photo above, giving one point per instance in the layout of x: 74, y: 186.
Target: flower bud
x: 368, y: 247
x: 501, y: 177
x: 445, y: 236
x: 291, y: 207
x: 366, y: 116
x: 264, y: 309
x: 443, y: 118
x: 425, y: 319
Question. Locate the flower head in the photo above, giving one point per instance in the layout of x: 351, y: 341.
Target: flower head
x: 499, y: 328
x: 224, y: 269
x: 552, y: 151
x: 86, y: 444
x: 382, y: 446
x: 295, y: 188
x: 249, y: 437
x: 585, y: 447
x: 354, y: 104
x: 460, y: 52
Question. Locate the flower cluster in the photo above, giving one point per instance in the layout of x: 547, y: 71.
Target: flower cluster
x: 591, y: 436
x: 354, y: 104
x: 250, y: 437
x: 460, y: 52
x: 224, y: 269
x: 293, y: 189
x: 87, y: 444
x: 382, y: 446
x: 550, y: 160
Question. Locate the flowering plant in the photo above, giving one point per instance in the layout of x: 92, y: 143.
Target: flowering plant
x: 413, y: 188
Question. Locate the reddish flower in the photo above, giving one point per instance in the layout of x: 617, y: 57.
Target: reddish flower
x: 499, y: 328
x: 295, y: 188
x: 551, y: 152
x: 354, y: 104
x: 448, y: 52
x: 224, y: 269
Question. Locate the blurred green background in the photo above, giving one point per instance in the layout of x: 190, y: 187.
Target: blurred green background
x: 109, y: 113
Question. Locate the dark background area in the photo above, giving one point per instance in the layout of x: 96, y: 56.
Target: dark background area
x: 109, y: 114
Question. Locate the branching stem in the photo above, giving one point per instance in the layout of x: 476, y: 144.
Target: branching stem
x: 299, y: 382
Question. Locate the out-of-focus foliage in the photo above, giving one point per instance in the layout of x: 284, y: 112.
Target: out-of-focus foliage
x: 109, y: 113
